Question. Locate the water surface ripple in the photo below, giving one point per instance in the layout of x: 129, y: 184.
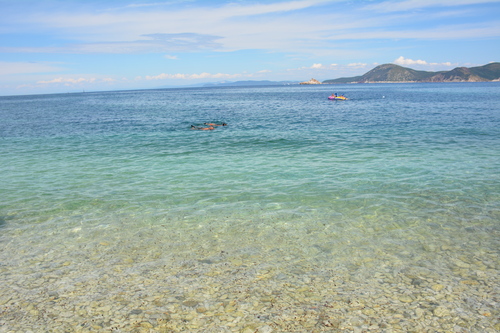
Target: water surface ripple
x: 380, y: 213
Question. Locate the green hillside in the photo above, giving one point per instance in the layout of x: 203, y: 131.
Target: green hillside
x: 395, y: 73
x: 490, y: 71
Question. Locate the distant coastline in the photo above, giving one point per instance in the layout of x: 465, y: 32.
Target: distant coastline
x: 387, y: 73
x: 390, y: 73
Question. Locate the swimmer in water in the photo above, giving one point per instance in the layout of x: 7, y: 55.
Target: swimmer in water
x: 202, y: 128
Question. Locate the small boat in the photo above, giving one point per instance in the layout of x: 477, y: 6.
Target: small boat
x: 337, y: 98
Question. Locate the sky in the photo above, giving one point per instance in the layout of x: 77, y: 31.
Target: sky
x: 60, y: 46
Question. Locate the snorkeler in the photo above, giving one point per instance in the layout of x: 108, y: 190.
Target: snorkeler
x: 202, y: 128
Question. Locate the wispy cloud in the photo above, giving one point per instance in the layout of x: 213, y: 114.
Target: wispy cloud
x: 150, y: 43
x: 332, y: 67
x: 276, y: 26
x: 399, y: 6
x: 409, y: 62
x: 73, y: 81
x: 459, y: 31
x: 165, y: 76
x: 426, y: 65
x: 357, y: 65
x: 155, y: 4
x: 9, y: 68
x: 222, y: 27
x: 235, y: 10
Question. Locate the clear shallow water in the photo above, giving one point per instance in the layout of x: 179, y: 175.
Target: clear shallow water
x: 297, y: 191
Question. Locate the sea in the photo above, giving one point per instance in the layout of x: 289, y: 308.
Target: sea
x: 376, y: 214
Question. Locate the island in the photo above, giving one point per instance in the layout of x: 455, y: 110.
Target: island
x: 311, y: 81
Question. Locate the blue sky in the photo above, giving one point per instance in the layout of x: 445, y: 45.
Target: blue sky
x: 52, y: 46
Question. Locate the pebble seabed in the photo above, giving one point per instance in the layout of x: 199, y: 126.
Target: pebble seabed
x: 272, y: 275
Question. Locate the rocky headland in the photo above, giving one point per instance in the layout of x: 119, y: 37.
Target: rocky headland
x: 389, y: 73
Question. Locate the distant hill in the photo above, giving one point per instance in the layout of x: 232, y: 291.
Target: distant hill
x: 250, y: 83
x: 395, y: 73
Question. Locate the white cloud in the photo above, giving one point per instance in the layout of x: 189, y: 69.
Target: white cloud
x: 357, y: 65
x: 405, y: 62
x: 171, y: 57
x: 402, y: 61
x: 10, y: 68
x: 313, y: 66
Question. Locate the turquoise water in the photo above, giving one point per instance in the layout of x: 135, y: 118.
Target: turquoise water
x: 295, y: 188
